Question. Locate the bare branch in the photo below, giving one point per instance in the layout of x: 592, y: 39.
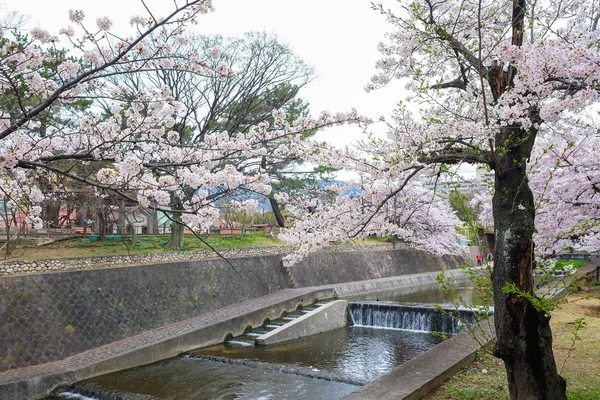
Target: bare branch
x: 457, y: 83
x: 457, y: 156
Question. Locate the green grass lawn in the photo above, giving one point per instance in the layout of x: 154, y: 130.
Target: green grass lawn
x: 82, y: 247
x: 143, y: 244
x: 485, y: 379
x: 560, y: 264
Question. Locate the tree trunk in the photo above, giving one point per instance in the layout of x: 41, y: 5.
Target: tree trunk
x: 152, y: 222
x: 133, y: 236
x: 122, y: 220
x: 243, y: 225
x: 524, y: 336
x: 84, y: 213
x: 274, y: 205
x: 51, y: 208
x: 50, y: 214
x: 176, y: 240
x: 277, y: 212
x: 101, y: 226
x: 7, y: 220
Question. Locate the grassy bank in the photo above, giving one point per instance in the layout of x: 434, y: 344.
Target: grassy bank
x: 485, y: 379
x: 82, y: 247
x: 143, y: 244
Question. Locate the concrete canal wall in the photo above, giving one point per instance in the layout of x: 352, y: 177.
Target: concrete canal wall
x: 51, y: 316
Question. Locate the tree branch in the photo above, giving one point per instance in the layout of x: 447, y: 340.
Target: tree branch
x: 457, y: 83
x: 89, y: 74
x: 456, y: 156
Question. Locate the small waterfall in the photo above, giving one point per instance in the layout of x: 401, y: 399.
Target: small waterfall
x: 256, y: 333
x: 240, y: 342
x: 407, y: 316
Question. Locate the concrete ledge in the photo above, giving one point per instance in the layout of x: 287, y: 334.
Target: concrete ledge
x: 393, y: 283
x: 417, y: 377
x: 325, y: 318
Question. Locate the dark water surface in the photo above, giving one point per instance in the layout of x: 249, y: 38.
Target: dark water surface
x: 353, y: 353
x: 190, y: 379
x: 428, y: 293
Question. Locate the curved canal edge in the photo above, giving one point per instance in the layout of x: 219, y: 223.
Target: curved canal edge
x: 169, y: 341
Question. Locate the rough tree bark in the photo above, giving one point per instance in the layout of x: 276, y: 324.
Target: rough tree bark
x: 101, y: 225
x: 176, y: 240
x: 277, y: 212
x: 524, y: 336
x: 152, y: 222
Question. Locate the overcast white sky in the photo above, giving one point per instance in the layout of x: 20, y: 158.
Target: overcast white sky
x: 337, y: 37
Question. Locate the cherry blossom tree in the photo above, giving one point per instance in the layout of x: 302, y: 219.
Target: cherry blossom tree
x: 134, y: 147
x: 39, y: 78
x: 237, y: 212
x: 263, y: 76
x: 507, y: 85
x: 563, y: 175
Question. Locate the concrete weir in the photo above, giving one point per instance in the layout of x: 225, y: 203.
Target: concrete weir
x: 326, y: 318
x: 60, y: 328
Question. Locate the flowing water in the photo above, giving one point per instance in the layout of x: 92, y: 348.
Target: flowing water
x: 188, y: 379
x: 355, y: 354
x: 416, y: 317
x: 428, y: 293
x: 324, y: 366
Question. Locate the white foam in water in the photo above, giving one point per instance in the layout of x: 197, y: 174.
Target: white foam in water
x: 387, y: 328
x: 241, y: 343
x: 76, y: 396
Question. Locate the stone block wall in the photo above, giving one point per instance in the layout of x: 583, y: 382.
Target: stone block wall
x: 331, y: 268
x: 81, y: 263
x: 48, y: 317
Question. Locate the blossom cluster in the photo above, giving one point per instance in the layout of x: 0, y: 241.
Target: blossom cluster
x: 550, y: 91
x: 388, y: 203
x: 133, y: 144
